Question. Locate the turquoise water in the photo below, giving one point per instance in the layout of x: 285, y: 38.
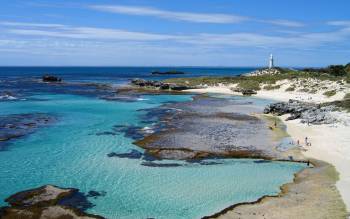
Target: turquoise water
x: 69, y: 154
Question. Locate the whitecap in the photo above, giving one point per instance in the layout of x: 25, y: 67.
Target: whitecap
x: 7, y: 97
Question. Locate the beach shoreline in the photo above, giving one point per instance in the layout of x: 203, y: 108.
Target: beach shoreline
x: 329, y: 142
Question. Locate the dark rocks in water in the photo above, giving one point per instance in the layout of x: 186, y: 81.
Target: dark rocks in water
x: 168, y: 73
x: 51, y: 78
x: 77, y: 200
x: 204, y: 162
x: 121, y: 98
x: 105, y: 133
x: 18, y: 125
x: 95, y: 194
x: 133, y: 154
x: 307, y: 112
x: 46, y: 201
x: 134, y: 132
x: 153, y: 164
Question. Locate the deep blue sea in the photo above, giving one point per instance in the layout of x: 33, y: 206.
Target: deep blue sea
x: 118, y: 74
x: 69, y: 153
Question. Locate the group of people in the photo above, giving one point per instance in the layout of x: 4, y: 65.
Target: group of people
x: 307, y: 142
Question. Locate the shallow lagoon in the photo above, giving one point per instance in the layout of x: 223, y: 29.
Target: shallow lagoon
x: 70, y: 154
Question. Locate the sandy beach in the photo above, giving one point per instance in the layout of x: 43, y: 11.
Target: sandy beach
x: 329, y: 143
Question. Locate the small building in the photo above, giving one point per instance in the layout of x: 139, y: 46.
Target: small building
x: 271, y: 62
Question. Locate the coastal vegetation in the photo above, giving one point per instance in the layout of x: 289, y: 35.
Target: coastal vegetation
x: 344, y: 104
x: 254, y: 82
x: 330, y: 93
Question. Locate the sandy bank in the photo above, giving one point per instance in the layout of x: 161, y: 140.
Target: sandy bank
x: 315, y: 94
x: 312, y: 195
x: 330, y: 143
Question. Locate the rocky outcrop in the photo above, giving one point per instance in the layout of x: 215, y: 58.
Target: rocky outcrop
x: 160, y: 85
x: 306, y: 112
x: 51, y: 78
x: 44, y: 202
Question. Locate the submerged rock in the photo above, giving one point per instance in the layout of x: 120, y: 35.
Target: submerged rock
x: 18, y: 125
x: 133, y: 154
x: 45, y: 202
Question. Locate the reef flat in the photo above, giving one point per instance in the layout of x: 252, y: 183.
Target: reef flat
x: 217, y: 127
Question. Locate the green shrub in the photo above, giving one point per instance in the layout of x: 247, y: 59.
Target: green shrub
x: 306, y: 90
x: 249, y: 85
x: 337, y: 70
x: 347, y: 96
x: 291, y: 88
x: 272, y: 87
x: 347, y: 68
x: 330, y: 93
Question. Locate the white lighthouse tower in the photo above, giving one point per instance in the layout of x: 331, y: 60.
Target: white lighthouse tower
x: 271, y: 64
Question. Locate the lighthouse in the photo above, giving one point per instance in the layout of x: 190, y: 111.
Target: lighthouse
x: 271, y: 65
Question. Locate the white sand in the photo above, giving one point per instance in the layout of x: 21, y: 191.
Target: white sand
x: 282, y: 95
x: 330, y: 143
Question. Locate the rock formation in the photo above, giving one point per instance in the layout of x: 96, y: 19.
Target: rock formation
x: 51, y: 78
x: 43, y: 202
x: 307, y: 112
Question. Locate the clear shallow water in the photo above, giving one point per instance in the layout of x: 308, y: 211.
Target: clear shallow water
x: 69, y: 154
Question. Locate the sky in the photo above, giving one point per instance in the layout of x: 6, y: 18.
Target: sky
x: 298, y: 33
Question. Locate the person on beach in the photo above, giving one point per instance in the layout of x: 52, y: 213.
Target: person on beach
x: 306, y: 143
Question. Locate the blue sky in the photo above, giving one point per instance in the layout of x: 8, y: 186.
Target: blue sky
x: 174, y: 33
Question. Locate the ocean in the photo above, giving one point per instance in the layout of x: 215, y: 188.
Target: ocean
x: 72, y: 152
x: 118, y: 74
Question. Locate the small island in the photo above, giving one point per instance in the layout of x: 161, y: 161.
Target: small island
x: 167, y: 73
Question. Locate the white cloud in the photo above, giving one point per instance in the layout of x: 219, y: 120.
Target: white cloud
x: 339, y: 23
x: 286, y: 23
x: 217, y: 18
x: 203, y: 40
x: 182, y: 16
x: 23, y: 24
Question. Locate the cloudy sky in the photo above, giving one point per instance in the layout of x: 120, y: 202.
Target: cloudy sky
x: 174, y: 33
